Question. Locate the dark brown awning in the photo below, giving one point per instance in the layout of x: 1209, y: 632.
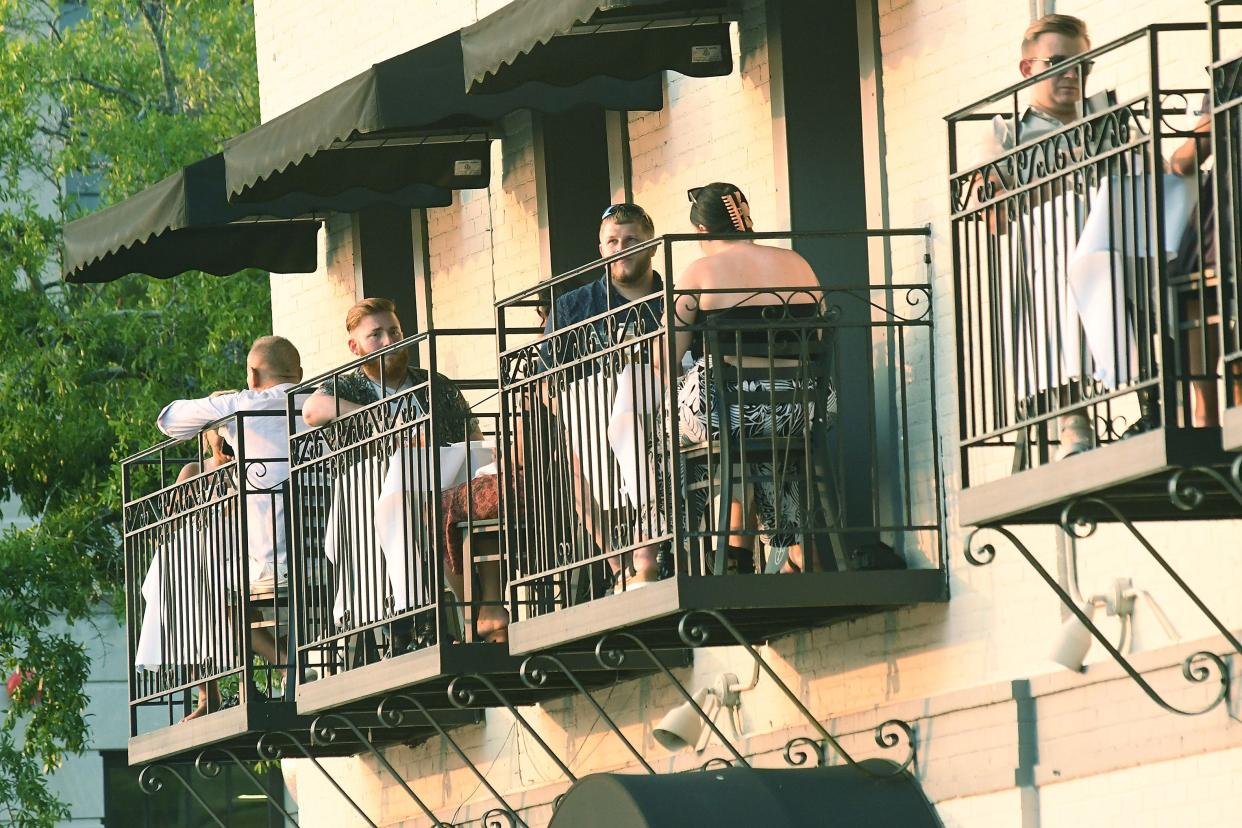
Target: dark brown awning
x: 184, y: 223
x: 329, y: 141
x: 566, y: 41
x: 449, y: 164
x: 835, y: 797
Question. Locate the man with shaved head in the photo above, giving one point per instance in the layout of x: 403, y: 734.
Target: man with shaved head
x: 273, y: 366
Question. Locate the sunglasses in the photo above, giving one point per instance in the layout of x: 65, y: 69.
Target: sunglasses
x: 623, y: 210
x: 1057, y: 60
x: 693, y: 193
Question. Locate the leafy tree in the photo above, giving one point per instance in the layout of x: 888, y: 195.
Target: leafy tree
x: 121, y: 93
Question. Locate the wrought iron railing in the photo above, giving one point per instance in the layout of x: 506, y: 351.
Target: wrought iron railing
x: 368, y: 531
x: 621, y: 472
x: 1079, y: 260
x: 1226, y: 109
x: 203, y: 573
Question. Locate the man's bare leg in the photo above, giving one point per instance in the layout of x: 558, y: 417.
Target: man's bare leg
x: 208, y: 701
x: 491, y: 621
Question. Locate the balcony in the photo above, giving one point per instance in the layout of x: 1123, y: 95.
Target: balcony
x: 623, y: 511
x: 1226, y: 111
x: 1087, y: 321
x: 381, y: 606
x: 191, y: 602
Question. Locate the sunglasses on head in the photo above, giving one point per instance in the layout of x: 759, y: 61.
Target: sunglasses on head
x: 624, y: 209
x: 693, y: 193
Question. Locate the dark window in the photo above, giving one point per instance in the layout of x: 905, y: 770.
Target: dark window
x: 82, y: 190
x: 572, y: 164
x: 231, y: 796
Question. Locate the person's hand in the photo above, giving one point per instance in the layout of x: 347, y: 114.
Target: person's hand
x: 222, y: 392
x: 212, y: 440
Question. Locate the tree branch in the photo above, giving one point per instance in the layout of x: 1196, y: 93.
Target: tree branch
x: 153, y: 14
x: 109, y: 89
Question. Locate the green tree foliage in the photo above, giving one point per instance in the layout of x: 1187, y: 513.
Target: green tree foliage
x: 122, y: 92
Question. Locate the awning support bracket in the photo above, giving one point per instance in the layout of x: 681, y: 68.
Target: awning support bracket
x: 209, y: 769
x: 150, y: 783
x: 270, y: 749
x: 1076, y: 520
x: 889, y: 734
x: 323, y: 731
x: 465, y: 698
x: 392, y: 716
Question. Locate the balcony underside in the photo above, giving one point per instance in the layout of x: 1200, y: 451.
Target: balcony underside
x: 760, y: 606
x: 425, y: 675
x: 1231, y: 429
x: 239, y: 730
x: 1132, y: 474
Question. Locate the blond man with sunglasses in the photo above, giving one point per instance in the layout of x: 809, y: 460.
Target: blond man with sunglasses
x: 1049, y: 41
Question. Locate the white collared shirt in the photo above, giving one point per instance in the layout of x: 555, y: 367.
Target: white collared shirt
x: 266, y: 455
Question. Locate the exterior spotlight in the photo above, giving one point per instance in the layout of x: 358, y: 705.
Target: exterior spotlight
x: 1074, y: 640
x: 683, y: 727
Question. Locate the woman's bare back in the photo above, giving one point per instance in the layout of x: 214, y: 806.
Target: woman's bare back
x: 752, y: 273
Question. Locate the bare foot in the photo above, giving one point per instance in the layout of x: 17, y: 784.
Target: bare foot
x: 207, y: 702
x: 492, y: 625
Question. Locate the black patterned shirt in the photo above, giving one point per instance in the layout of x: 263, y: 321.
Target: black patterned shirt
x: 452, y: 413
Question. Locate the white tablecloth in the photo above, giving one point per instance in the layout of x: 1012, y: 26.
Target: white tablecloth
x: 199, y: 612
x: 614, y: 406
x: 1075, y: 279
x: 383, y: 495
x: 639, y: 395
x: 1105, y: 250
x: 404, y: 493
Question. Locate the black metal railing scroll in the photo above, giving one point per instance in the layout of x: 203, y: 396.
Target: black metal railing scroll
x: 792, y: 429
x: 368, y: 512
x: 1078, y: 519
x: 204, y: 540
x: 1085, y: 287
x: 1226, y: 114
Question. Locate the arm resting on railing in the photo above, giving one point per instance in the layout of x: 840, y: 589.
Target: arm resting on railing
x: 322, y: 408
x: 182, y: 419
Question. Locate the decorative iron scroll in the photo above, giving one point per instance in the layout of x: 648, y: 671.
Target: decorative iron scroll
x: 889, y: 734
x: 1197, y: 668
x: 612, y: 656
x: 215, y: 486
x: 1051, y: 157
x: 387, y: 415
x: 149, y: 782
x: 1188, y: 496
x: 580, y: 341
x: 1076, y: 522
x: 323, y: 731
x: 535, y: 675
x: 271, y: 749
x: 210, y: 769
x: 1227, y: 83
x: 500, y: 818
x: 463, y: 697
x: 390, y: 715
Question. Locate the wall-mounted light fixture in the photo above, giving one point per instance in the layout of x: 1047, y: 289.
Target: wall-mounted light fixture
x: 684, y: 727
x: 1074, y: 641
